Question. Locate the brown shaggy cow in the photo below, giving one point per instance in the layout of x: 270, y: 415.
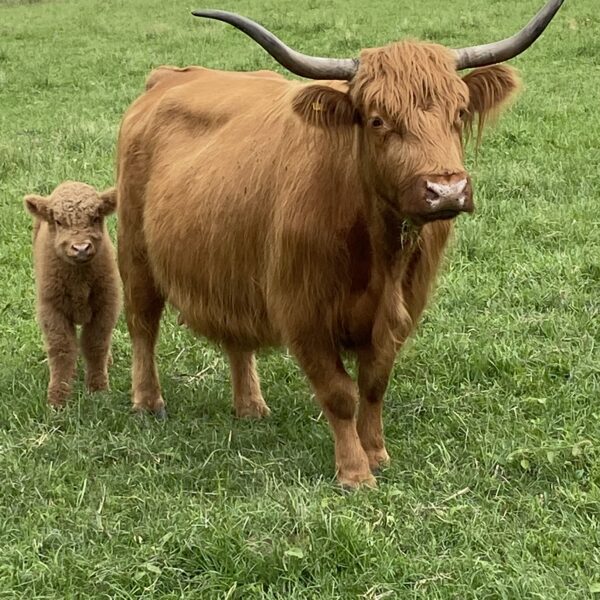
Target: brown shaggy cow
x: 274, y: 212
x: 77, y: 282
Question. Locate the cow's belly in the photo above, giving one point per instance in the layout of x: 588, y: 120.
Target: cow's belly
x: 225, y: 325
x: 225, y: 311
x: 211, y: 272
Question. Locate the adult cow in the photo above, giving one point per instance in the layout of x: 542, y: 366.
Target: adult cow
x: 275, y: 212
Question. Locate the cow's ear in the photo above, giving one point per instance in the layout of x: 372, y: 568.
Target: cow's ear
x: 108, y: 201
x: 38, y: 206
x: 490, y: 90
x: 324, y: 106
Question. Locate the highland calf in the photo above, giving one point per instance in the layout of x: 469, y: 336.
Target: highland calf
x: 77, y: 282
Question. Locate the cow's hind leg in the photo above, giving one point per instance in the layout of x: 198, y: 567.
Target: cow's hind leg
x: 337, y: 395
x: 247, y: 397
x: 143, y: 309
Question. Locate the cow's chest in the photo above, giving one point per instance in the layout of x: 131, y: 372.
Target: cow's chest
x: 358, y: 319
x: 377, y: 272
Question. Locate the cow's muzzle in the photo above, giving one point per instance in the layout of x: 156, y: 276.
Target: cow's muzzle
x: 443, y: 197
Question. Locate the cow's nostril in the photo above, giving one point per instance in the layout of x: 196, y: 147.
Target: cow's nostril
x: 431, y: 194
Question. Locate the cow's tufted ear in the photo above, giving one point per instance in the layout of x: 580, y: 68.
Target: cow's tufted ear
x: 490, y: 90
x: 324, y: 106
x: 38, y: 206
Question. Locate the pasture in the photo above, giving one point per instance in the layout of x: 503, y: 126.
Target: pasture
x: 493, y: 413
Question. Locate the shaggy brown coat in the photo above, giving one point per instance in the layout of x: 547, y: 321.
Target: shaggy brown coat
x: 273, y: 212
x: 77, y: 283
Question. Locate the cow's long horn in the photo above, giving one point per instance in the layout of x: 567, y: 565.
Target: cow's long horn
x: 312, y: 67
x: 496, y: 52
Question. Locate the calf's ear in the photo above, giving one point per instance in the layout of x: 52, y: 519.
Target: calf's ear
x: 108, y: 201
x: 38, y: 206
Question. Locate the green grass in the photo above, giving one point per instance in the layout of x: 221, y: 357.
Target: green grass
x: 493, y: 413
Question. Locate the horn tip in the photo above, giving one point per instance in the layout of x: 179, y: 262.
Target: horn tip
x: 203, y: 12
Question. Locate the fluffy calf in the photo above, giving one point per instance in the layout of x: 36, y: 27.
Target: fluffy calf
x: 77, y: 282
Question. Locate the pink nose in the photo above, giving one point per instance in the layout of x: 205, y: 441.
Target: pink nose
x: 449, y: 193
x: 82, y: 248
x: 443, y: 196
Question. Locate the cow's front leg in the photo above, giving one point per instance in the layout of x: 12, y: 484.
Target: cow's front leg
x: 248, y: 401
x: 374, y: 370
x: 337, y: 395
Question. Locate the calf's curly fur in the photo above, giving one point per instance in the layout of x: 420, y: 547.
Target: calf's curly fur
x: 77, y: 282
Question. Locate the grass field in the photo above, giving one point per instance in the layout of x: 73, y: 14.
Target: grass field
x: 493, y: 414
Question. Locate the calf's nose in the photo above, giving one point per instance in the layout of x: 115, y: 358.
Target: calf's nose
x: 82, y: 251
x: 82, y: 248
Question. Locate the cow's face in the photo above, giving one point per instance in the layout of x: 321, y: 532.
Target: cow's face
x: 409, y: 108
x: 75, y: 215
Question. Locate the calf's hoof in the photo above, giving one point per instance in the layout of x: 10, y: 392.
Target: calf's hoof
x: 97, y: 384
x: 55, y: 404
x: 57, y: 396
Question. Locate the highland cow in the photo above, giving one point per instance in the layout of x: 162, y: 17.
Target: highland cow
x: 311, y: 215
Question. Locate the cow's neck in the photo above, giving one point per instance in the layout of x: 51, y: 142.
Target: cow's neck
x: 397, y: 236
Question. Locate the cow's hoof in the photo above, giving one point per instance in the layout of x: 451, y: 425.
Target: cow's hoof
x: 158, y: 409
x: 147, y: 403
x: 161, y: 414
x: 252, y: 410
x: 378, y: 460
x: 355, y: 482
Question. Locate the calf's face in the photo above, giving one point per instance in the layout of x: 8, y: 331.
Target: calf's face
x: 75, y: 215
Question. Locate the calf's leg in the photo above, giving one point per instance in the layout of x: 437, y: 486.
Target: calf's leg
x: 247, y: 397
x: 95, y: 347
x: 336, y: 393
x: 61, y: 344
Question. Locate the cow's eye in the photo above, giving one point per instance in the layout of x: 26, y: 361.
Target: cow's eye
x: 462, y: 113
x: 376, y: 122
x: 58, y: 222
x: 96, y: 220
